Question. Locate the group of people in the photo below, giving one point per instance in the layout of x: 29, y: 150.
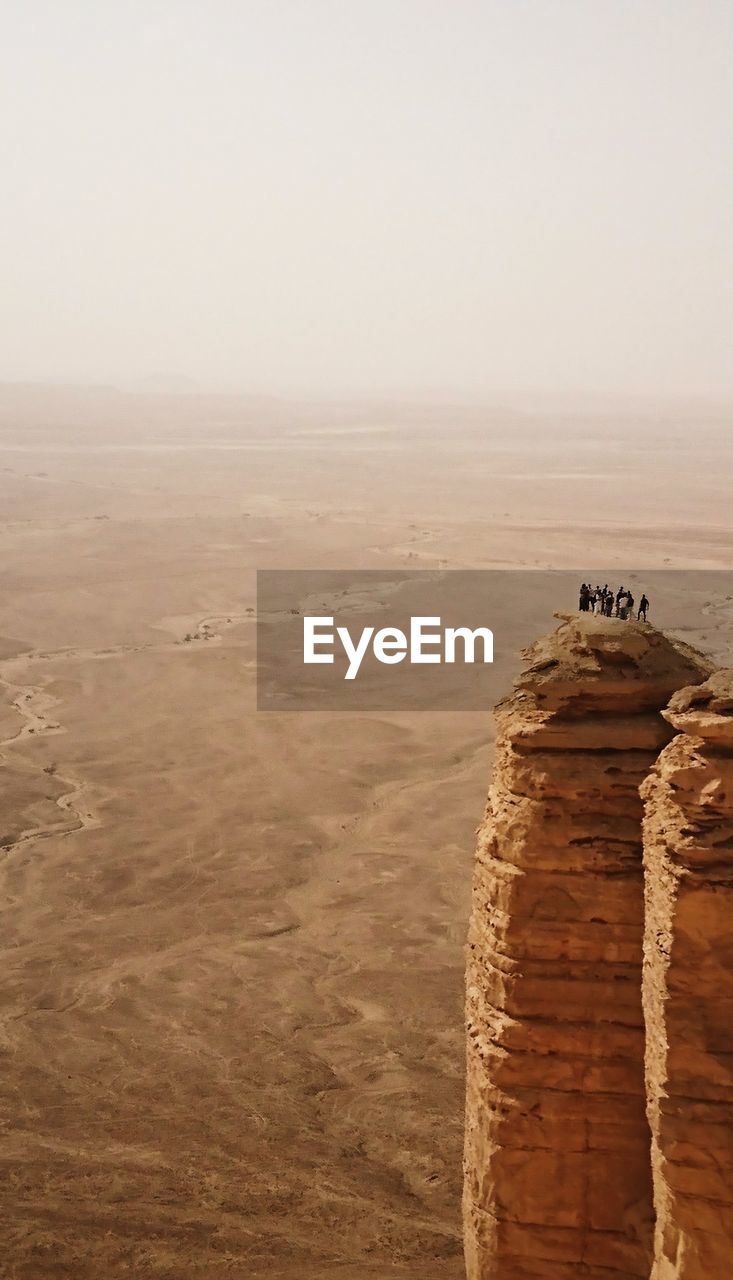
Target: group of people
x: 603, y: 600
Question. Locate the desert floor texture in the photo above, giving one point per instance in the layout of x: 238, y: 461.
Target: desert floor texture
x: 232, y: 942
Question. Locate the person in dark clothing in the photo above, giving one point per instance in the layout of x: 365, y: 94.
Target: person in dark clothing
x: 629, y: 605
x: 619, y: 596
x: 643, y: 606
x: 583, y: 601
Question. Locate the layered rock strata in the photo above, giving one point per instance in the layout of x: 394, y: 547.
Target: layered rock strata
x: 688, y: 985
x: 557, y: 1167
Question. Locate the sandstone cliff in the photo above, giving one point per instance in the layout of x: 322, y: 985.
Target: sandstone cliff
x: 688, y: 985
x: 558, y: 1174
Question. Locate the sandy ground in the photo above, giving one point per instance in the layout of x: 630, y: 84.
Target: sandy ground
x: 231, y: 1022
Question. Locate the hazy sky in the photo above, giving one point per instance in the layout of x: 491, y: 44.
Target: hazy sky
x: 338, y: 195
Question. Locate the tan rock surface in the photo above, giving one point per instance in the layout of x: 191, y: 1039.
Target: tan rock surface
x: 688, y: 984
x: 558, y: 1179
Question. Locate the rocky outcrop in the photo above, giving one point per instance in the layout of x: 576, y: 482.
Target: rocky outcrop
x: 688, y: 985
x: 557, y: 1167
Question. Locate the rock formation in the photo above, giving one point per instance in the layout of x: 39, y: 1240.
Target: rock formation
x: 558, y: 1171
x: 688, y: 984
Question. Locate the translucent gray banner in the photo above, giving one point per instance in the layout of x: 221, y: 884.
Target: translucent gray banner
x: 391, y: 634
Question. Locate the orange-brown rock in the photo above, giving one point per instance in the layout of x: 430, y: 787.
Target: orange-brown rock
x: 557, y: 1170
x: 688, y: 985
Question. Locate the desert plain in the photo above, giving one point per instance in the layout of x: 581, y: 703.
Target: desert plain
x: 232, y: 941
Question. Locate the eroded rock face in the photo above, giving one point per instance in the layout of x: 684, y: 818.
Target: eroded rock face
x: 557, y: 1169
x: 688, y: 985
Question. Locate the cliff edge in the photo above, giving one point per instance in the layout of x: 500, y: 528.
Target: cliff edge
x: 688, y: 984
x: 557, y: 1169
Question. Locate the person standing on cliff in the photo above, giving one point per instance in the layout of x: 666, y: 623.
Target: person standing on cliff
x: 643, y: 606
x: 619, y: 594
